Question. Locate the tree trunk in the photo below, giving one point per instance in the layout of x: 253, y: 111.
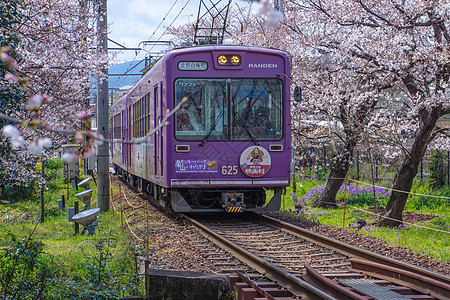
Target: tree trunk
x: 404, y: 177
x: 337, y: 176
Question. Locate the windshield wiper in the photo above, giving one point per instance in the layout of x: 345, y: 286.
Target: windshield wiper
x: 250, y: 134
x: 213, y: 126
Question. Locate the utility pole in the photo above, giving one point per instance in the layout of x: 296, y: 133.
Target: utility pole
x: 102, y: 111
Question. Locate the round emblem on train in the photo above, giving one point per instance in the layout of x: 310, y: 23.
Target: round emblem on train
x: 255, y: 161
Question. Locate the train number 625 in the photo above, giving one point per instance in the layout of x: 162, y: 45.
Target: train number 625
x: 229, y: 170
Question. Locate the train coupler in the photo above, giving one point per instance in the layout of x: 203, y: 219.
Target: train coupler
x: 233, y: 202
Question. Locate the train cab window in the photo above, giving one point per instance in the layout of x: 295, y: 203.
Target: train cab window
x: 203, y: 112
x: 235, y: 109
x: 256, y: 106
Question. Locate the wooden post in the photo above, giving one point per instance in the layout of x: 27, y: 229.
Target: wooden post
x: 373, y: 188
x: 121, y: 206
x: 345, y: 202
x: 147, y: 259
x: 448, y: 167
x: 294, y: 182
x: 68, y: 179
x: 111, y: 193
x: 357, y: 164
x: 77, y: 226
x: 42, y: 193
x: 148, y: 231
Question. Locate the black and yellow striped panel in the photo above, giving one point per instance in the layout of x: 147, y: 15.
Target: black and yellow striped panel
x: 234, y: 209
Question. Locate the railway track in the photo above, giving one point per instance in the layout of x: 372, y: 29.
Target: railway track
x: 309, y: 266
x: 271, y: 259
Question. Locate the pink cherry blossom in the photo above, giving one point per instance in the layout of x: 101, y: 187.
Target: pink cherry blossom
x: 10, y: 77
x: 35, y: 101
x: 84, y: 116
x: 11, y: 131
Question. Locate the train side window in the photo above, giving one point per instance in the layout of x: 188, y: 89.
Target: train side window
x: 117, y: 125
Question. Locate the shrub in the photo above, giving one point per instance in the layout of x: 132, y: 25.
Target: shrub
x: 438, y: 169
x: 356, y: 195
x: 15, y: 193
x: 24, y: 271
x: 424, y: 202
x: 54, y: 163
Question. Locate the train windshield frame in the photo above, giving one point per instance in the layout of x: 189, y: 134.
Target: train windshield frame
x: 229, y: 109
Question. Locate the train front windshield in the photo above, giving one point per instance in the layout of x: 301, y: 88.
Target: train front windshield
x: 233, y: 109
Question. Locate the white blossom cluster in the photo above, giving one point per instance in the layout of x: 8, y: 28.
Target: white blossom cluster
x: 57, y: 58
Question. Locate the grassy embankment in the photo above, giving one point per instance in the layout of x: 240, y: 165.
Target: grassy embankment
x: 428, y: 234
x: 102, y: 265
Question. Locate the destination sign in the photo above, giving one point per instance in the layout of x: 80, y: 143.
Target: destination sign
x: 192, y: 66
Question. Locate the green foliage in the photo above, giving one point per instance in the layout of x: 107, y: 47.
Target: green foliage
x: 24, y: 271
x: 364, y: 199
x: 54, y: 163
x: 316, y: 173
x: 420, y: 202
x: 14, y: 193
x: 53, y: 170
x: 103, y: 275
x: 27, y: 272
x: 425, y: 239
x: 438, y: 169
x: 52, y: 212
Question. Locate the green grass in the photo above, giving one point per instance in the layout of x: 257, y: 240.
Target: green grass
x: 422, y: 237
x: 75, y: 257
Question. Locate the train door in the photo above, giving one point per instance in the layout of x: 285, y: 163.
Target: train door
x: 161, y: 136
x: 156, y: 135
x: 129, y: 137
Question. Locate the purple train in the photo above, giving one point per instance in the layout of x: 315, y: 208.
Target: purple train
x: 228, y: 143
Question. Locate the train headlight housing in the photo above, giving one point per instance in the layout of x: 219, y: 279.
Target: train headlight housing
x: 229, y: 60
x: 235, y: 60
x: 222, y: 60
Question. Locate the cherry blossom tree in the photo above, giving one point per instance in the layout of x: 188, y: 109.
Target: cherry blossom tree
x: 397, y: 46
x: 380, y: 68
x: 50, y: 63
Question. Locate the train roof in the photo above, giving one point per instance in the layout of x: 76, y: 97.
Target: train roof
x: 204, y: 48
x: 198, y: 49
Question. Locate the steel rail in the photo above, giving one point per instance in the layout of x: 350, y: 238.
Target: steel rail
x: 331, y: 286
x: 254, y: 285
x: 350, y: 250
x: 436, y: 288
x: 293, y: 284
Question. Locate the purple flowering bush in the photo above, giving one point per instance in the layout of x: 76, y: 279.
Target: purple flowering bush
x: 356, y: 195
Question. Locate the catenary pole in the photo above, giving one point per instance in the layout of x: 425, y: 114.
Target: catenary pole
x: 102, y: 111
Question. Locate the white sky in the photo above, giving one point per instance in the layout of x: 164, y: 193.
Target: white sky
x: 133, y: 21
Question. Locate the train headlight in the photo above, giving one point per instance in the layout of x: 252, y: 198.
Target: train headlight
x: 222, y: 60
x: 229, y: 60
x: 235, y: 60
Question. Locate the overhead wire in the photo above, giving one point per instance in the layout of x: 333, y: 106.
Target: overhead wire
x: 164, y: 18
x: 154, y: 32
